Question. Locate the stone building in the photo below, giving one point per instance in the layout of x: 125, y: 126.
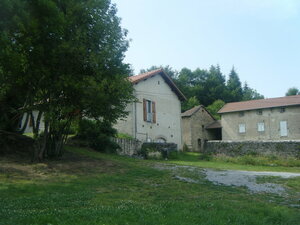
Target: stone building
x: 199, y: 126
x: 156, y: 115
x: 264, y: 119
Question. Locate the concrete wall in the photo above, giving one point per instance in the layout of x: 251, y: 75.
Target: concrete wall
x: 238, y: 148
x: 193, y: 129
x: 271, y: 119
x: 168, y: 113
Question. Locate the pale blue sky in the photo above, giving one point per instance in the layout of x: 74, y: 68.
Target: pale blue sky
x: 261, y: 38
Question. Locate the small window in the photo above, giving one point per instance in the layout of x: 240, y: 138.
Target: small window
x: 261, y: 127
x: 199, y: 142
x: 259, y: 112
x: 242, y: 128
x: 282, y: 110
x: 202, y: 128
x: 241, y: 114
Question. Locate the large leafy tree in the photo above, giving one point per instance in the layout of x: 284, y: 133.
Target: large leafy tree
x: 63, y: 59
x: 292, y: 91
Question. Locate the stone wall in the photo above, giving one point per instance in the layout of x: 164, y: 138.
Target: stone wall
x: 237, y: 148
x: 157, y: 150
x: 128, y: 147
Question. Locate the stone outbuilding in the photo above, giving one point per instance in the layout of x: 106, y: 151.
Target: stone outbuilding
x: 199, y: 126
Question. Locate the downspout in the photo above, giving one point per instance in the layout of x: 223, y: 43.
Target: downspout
x: 135, y: 120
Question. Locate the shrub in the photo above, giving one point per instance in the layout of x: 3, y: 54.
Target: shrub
x: 97, y: 134
x: 124, y: 136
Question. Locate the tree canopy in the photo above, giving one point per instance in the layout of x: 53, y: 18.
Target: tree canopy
x: 208, y: 86
x: 292, y: 91
x: 64, y: 59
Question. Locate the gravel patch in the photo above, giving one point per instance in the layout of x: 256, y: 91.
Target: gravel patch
x: 231, y: 178
x: 248, y: 179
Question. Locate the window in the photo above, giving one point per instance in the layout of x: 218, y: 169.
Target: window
x: 242, y: 128
x: 283, y: 128
x: 202, y: 126
x: 261, y: 127
x: 149, y: 111
x: 282, y: 110
x: 241, y: 114
x: 259, y: 112
x: 199, y: 142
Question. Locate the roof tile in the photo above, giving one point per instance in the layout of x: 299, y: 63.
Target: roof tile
x: 261, y: 104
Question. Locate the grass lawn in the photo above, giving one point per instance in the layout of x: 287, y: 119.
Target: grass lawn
x: 86, y: 187
x: 192, y: 159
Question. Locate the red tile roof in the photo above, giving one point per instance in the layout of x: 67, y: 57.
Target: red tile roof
x: 261, y: 104
x: 144, y: 76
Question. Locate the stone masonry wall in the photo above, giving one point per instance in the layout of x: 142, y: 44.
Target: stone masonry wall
x: 128, y: 147
x: 237, y: 148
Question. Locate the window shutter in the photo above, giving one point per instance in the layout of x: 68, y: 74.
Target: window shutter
x: 144, y: 110
x: 153, y: 113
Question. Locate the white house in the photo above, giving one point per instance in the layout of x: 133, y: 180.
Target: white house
x: 156, y: 115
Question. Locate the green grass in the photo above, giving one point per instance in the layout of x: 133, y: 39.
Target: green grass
x: 249, y: 163
x: 87, y: 187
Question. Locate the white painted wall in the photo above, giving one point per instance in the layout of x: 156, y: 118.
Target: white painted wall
x: 168, y: 113
x: 28, y: 127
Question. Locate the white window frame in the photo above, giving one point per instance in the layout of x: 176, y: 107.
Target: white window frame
x: 242, y: 128
x: 261, y: 127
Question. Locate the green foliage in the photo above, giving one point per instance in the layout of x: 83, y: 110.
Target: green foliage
x: 95, y: 188
x: 123, y: 136
x: 234, y: 87
x: 250, y: 94
x: 215, y: 107
x: 292, y: 91
x: 259, y: 160
x: 207, y: 86
x: 190, y: 103
x: 150, y: 152
x: 97, y: 135
x: 63, y: 59
x: 206, y: 156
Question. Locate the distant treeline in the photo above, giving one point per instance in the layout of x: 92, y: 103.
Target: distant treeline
x: 209, y: 87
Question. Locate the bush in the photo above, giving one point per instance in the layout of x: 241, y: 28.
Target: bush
x: 97, y: 134
x: 124, y: 136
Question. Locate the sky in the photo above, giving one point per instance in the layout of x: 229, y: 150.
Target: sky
x: 260, y: 38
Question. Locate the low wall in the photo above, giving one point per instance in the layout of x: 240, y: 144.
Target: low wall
x: 237, y: 148
x: 128, y: 146
x: 157, y: 150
